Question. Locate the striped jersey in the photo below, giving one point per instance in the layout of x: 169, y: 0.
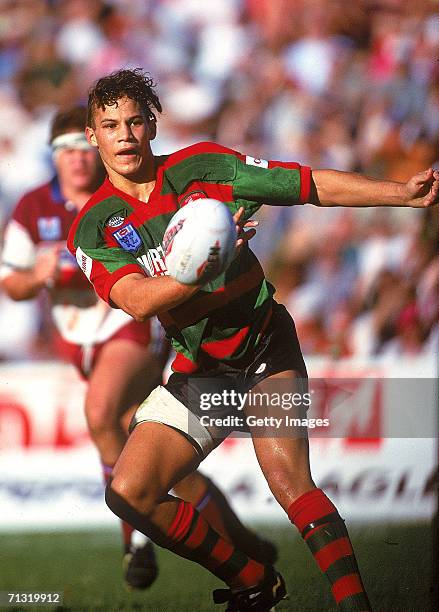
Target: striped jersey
x: 115, y: 234
x: 41, y: 220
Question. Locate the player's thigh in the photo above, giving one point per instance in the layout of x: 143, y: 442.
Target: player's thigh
x: 283, y: 453
x: 123, y: 375
x: 154, y: 459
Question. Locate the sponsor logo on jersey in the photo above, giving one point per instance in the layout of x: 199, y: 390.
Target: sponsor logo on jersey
x: 84, y: 261
x: 115, y: 221
x: 128, y: 238
x: 255, y: 161
x: 154, y: 262
x: 49, y: 228
x: 191, y: 197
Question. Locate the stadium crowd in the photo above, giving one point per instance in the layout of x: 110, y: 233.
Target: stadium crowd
x: 351, y: 86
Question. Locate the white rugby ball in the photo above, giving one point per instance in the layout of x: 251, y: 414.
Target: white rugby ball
x: 199, y: 242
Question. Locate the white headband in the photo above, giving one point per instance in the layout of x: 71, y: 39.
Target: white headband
x: 70, y: 140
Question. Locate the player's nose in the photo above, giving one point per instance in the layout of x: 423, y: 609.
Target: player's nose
x: 125, y: 133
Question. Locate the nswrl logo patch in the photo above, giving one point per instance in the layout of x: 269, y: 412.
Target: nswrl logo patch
x: 128, y: 238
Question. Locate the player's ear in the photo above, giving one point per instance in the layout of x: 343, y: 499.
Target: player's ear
x: 90, y: 135
x: 152, y: 128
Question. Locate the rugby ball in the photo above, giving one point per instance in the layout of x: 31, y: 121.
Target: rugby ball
x: 199, y: 242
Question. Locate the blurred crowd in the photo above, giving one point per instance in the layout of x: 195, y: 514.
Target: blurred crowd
x: 328, y: 83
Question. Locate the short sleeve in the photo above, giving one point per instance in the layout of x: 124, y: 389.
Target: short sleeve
x: 19, y: 250
x: 271, y: 182
x: 211, y: 170
x: 102, y: 263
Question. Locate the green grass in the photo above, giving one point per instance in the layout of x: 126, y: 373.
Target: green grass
x: 395, y: 561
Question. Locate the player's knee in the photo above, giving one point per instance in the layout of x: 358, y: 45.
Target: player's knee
x: 101, y: 416
x: 135, y: 495
x: 115, y: 501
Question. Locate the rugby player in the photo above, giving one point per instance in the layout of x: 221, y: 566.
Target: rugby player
x: 228, y: 329
x: 122, y: 359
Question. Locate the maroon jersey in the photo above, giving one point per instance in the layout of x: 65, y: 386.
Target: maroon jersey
x: 41, y: 219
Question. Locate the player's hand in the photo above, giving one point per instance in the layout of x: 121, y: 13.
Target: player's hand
x: 241, y: 223
x: 422, y: 189
x: 46, y: 269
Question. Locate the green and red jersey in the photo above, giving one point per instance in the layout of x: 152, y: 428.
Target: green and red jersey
x: 115, y: 234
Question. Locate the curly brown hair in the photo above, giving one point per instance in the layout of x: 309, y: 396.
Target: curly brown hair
x: 69, y: 120
x: 134, y: 84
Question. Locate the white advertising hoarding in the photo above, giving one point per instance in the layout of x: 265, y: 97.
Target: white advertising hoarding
x: 384, y: 467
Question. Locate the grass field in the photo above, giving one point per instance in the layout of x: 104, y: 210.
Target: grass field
x: 396, y: 564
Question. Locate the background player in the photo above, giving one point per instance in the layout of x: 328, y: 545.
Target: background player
x: 121, y: 123
x: 119, y: 357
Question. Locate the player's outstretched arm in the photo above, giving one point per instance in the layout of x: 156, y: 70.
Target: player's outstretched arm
x: 335, y: 188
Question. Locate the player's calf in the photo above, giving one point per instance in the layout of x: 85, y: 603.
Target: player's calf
x: 176, y: 525
x: 324, y: 531
x: 211, y: 503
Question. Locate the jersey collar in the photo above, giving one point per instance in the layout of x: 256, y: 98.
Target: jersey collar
x: 55, y: 191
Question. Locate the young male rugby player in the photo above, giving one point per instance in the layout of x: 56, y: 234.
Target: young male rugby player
x: 228, y: 329
x: 117, y: 356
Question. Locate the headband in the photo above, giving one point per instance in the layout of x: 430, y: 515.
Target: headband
x: 70, y: 140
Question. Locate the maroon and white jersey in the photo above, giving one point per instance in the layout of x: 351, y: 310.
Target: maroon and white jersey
x: 43, y: 218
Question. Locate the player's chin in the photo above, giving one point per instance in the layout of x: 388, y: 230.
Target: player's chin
x: 128, y: 167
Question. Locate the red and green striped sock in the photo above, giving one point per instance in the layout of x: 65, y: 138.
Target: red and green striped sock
x: 324, y: 531
x: 191, y: 536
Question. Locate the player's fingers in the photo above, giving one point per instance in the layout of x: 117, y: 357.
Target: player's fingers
x: 237, y: 217
x: 246, y: 236
x: 251, y: 223
x: 423, y: 177
x: 433, y: 195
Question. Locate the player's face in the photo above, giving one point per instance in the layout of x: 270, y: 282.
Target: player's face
x: 122, y: 134
x: 76, y: 168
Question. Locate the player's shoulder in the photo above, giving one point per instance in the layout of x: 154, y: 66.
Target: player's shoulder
x: 198, y: 149
x: 40, y: 195
x: 102, y: 205
x: 204, y: 161
x: 36, y: 203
